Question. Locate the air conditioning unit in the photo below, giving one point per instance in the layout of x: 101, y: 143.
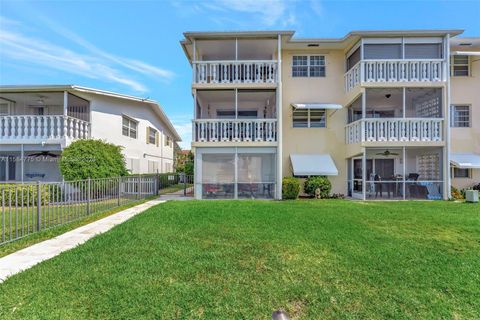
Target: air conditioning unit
x: 471, y: 195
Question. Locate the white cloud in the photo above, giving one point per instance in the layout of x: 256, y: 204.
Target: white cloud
x: 19, y: 47
x: 184, y: 129
x: 93, y: 63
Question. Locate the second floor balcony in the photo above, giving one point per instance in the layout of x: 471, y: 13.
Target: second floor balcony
x: 43, y: 118
x: 42, y: 129
x: 235, y: 130
x: 397, y: 115
x: 395, y: 130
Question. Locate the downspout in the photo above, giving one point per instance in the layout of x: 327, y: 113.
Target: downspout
x: 279, y: 118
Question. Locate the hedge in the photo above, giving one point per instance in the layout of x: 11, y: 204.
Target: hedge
x: 290, y: 188
x: 11, y: 194
x: 322, y: 184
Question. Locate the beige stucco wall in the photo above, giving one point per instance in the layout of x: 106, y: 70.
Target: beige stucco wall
x: 329, y: 89
x: 466, y: 91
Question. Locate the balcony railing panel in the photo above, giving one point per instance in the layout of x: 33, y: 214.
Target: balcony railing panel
x: 28, y: 127
x: 254, y: 71
x: 380, y: 71
x: 395, y: 130
x: 232, y: 130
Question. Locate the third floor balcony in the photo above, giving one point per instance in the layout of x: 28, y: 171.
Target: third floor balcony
x: 235, y: 62
x: 407, y: 60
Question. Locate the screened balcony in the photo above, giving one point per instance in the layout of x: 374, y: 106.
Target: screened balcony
x: 235, y: 116
x: 235, y: 61
x: 243, y: 174
x: 46, y: 117
x: 395, y: 60
x: 396, y: 115
x: 397, y: 174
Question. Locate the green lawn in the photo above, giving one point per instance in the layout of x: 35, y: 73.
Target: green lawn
x: 243, y: 259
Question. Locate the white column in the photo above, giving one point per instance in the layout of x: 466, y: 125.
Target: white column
x: 403, y: 102
x: 279, y: 118
x: 364, y: 173
x: 236, y: 103
x: 404, y: 170
x: 194, y: 60
x: 65, y: 113
x: 446, y: 123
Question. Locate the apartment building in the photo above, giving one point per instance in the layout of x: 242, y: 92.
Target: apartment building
x: 38, y: 122
x: 383, y: 114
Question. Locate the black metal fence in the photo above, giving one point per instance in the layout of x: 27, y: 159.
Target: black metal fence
x: 176, y: 184
x: 28, y: 208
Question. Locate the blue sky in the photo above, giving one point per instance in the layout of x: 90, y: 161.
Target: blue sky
x: 133, y: 47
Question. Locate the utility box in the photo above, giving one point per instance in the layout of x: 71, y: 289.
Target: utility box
x: 471, y: 195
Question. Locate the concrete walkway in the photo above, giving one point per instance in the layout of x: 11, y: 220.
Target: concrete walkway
x: 28, y: 257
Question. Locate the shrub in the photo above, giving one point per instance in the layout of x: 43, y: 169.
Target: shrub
x: 90, y: 158
x: 290, y: 188
x: 456, y: 194
x: 476, y: 187
x: 22, y: 194
x: 321, y: 183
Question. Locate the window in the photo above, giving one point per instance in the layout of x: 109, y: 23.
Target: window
x: 308, y: 66
x: 4, y: 108
x: 423, y: 51
x: 460, y: 117
x: 461, y: 173
x: 460, y: 66
x: 168, y: 141
x: 129, y: 127
x: 152, y: 166
x: 309, y: 118
x: 382, y: 51
x: 242, y: 114
x: 152, y: 136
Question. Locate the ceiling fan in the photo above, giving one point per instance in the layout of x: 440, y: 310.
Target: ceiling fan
x: 387, y: 153
x: 44, y: 154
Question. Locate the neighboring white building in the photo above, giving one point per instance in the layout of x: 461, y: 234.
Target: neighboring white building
x: 38, y: 122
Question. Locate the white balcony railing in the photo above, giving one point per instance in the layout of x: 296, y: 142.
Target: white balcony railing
x: 241, y: 130
x: 401, y: 70
x: 249, y: 71
x: 395, y: 129
x: 42, y: 128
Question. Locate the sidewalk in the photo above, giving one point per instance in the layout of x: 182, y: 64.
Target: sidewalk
x: 28, y: 257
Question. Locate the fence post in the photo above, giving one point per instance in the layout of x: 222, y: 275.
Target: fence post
x: 138, y: 187
x: 119, y: 190
x: 184, y: 184
x: 88, y: 196
x: 39, y: 209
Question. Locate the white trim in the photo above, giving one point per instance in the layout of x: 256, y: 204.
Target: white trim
x: 317, y: 105
x: 382, y: 40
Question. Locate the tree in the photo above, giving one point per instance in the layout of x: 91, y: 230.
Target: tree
x: 185, y: 163
x: 90, y: 158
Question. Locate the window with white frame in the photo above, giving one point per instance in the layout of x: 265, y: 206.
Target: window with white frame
x: 461, y: 173
x: 460, y: 116
x: 152, y: 136
x: 308, y: 66
x: 309, y: 118
x: 129, y: 127
x: 168, y: 141
x: 460, y: 66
